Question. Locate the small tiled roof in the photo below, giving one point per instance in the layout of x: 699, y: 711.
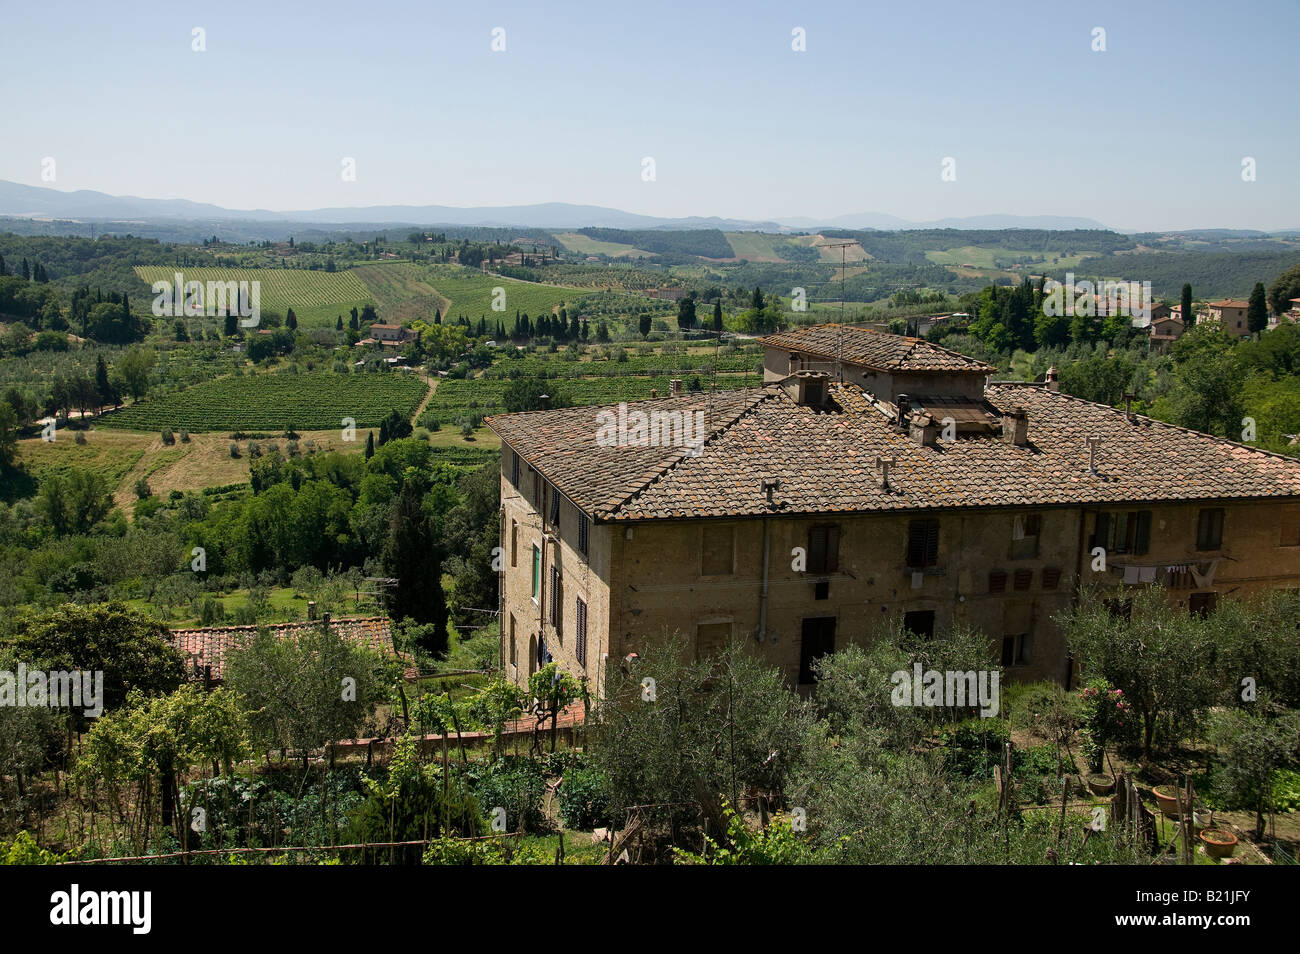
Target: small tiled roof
x: 825, y: 459
x: 873, y: 349
x: 208, y: 646
x: 1230, y: 303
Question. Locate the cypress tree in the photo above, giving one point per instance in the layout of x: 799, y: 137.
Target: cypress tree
x: 1189, y: 318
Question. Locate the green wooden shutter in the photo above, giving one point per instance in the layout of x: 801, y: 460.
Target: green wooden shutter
x: 1101, y: 535
x: 1143, y: 539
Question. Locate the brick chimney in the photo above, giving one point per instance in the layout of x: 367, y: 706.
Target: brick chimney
x: 904, y: 405
x: 1015, y: 426
x: 675, y: 387
x: 923, y: 429
x: 545, y: 401
x: 1052, y: 381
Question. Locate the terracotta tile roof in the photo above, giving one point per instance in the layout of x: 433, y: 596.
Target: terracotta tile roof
x: 1230, y: 303
x: 825, y: 459
x: 873, y: 349
x: 208, y: 646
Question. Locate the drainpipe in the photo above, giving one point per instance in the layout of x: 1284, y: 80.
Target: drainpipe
x: 762, y: 598
x: 501, y: 592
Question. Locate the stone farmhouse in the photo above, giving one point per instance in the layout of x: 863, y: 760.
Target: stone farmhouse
x: 873, y: 478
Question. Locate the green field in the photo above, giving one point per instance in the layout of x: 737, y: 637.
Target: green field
x: 456, y: 399
x: 585, y: 245
x: 754, y: 246
x: 401, y: 291
x: 469, y: 292
x: 271, y: 402
x: 316, y: 297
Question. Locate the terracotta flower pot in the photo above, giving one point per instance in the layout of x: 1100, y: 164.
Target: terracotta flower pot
x: 1218, y: 843
x: 1101, y: 784
x: 1167, y: 801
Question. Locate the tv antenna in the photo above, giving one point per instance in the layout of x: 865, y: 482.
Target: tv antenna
x: 839, y: 329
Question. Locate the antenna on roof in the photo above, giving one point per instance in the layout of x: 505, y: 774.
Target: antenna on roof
x: 839, y: 330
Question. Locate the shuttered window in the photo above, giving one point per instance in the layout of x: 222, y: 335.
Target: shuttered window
x: 1209, y: 530
x: 1051, y: 577
x: 557, y: 600
x: 514, y: 469
x: 1125, y: 532
x: 1023, y: 579
x: 997, y: 581
x: 923, y: 543
x: 580, y: 645
x: 555, y: 509
x: 584, y: 534
x: 824, y: 548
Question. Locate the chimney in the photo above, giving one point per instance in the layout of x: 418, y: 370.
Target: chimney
x: 325, y: 620
x: 675, y: 387
x: 654, y: 393
x: 770, y: 486
x: 807, y: 388
x: 1053, y: 383
x: 923, y: 429
x: 545, y: 401
x: 904, y: 404
x: 311, y: 609
x: 883, y: 464
x: 1015, y: 426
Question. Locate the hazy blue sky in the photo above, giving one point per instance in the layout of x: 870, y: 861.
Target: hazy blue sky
x: 1150, y: 133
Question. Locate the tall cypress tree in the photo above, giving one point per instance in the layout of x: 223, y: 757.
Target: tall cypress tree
x: 717, y: 316
x: 1189, y: 318
x: 1257, y: 309
x: 413, y: 554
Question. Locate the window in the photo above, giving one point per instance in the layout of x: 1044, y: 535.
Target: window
x: 1209, y: 530
x: 1025, y: 531
x: 717, y: 551
x: 822, y: 590
x: 1015, y: 650
x: 711, y: 639
x: 584, y: 534
x: 1128, y: 532
x: 580, y: 643
x: 818, y: 640
x: 1202, y: 604
x: 537, y: 489
x: 514, y: 469
x: 557, y: 599
x: 555, y: 509
x: 1051, y: 577
x: 923, y: 543
x: 514, y: 652
x: 1023, y: 579
x: 920, y: 622
x: 537, y: 572
x: 514, y: 542
x: 824, y: 548
x: 1290, y: 527
x: 997, y: 581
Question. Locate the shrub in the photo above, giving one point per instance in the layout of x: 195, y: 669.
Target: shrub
x: 515, y: 784
x: 584, y: 799
x: 168, y: 438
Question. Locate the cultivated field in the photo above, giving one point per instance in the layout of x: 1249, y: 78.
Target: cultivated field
x: 272, y: 402
x: 585, y: 245
x: 316, y: 297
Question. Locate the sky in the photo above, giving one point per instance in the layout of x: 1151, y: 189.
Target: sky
x: 1149, y: 133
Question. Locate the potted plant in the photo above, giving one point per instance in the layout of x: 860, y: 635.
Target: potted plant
x: 1167, y: 800
x: 1218, y: 842
x: 1100, y: 784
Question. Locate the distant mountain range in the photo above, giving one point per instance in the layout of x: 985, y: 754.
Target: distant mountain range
x: 36, y: 202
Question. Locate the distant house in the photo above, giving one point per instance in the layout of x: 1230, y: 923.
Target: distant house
x: 206, y: 648
x: 390, y: 336
x: 1230, y: 313
x: 666, y: 294
x: 1166, y: 330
